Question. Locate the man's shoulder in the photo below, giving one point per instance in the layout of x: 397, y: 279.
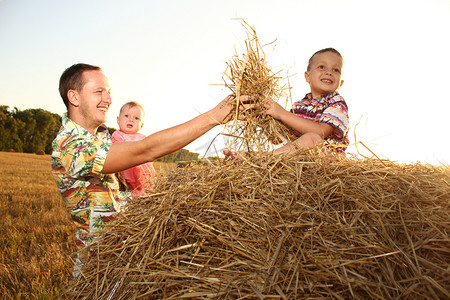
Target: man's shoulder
x: 70, y: 134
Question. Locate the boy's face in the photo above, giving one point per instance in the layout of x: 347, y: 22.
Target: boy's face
x: 130, y: 119
x: 324, y: 76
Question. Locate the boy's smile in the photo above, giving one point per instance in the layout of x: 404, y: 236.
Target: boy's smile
x: 324, y: 76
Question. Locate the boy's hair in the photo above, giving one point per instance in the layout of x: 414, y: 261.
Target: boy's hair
x: 72, y: 79
x: 132, y: 104
x: 320, y: 52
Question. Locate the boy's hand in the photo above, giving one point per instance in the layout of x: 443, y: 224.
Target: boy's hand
x: 273, y: 108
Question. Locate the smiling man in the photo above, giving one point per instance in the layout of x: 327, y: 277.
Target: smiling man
x: 84, y: 159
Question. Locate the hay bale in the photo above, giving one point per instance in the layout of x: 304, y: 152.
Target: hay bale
x: 272, y: 227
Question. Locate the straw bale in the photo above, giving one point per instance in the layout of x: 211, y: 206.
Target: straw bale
x: 280, y: 228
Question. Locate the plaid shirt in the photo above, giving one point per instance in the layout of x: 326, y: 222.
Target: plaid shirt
x: 77, y: 162
x: 330, y: 109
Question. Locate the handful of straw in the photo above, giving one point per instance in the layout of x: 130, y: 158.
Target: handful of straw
x: 250, y: 75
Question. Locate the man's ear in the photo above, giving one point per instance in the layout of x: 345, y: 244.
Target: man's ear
x: 307, y: 78
x: 72, y: 95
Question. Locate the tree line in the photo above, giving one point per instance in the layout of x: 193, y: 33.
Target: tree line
x: 33, y: 131
x: 29, y: 131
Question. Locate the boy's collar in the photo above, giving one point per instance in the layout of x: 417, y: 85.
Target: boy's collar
x: 323, y: 97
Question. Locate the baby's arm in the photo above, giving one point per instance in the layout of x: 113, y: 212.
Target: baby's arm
x: 299, y: 124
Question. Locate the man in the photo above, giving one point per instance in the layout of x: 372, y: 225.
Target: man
x: 84, y: 160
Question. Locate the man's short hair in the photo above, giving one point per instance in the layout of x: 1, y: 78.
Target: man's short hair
x: 72, y: 79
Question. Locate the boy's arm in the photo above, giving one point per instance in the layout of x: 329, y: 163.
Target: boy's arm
x: 299, y: 124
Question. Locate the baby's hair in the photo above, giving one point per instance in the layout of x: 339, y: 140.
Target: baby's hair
x: 132, y: 104
x: 320, y: 52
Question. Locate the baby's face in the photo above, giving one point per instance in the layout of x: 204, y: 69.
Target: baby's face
x: 130, y: 119
x: 324, y: 76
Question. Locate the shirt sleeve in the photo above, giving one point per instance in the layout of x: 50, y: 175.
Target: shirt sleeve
x: 336, y: 115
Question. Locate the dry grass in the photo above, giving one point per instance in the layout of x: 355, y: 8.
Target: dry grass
x: 36, y: 234
x: 281, y: 228
x: 163, y: 167
x: 250, y: 74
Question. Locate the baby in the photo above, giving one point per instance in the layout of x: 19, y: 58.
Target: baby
x: 130, y: 120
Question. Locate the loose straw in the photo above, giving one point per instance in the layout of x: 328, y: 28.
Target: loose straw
x: 308, y: 226
x: 250, y: 74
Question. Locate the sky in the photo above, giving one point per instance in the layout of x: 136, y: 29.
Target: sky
x: 170, y: 55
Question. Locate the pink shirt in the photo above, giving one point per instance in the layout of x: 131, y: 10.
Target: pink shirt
x: 139, y: 178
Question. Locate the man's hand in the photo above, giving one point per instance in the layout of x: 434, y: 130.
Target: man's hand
x: 224, y: 109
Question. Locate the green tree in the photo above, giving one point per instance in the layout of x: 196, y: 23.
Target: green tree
x: 52, y: 131
x: 9, y: 130
x: 42, y: 127
x: 28, y: 131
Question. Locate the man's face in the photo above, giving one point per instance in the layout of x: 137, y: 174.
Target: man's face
x: 94, y: 99
x: 324, y: 77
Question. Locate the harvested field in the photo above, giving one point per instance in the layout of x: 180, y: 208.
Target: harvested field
x: 272, y: 227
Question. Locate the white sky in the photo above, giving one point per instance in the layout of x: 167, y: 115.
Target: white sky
x: 168, y: 54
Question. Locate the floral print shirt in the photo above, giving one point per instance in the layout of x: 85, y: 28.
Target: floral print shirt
x: 77, y: 162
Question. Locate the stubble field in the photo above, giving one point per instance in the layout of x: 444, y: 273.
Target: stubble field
x: 36, y: 234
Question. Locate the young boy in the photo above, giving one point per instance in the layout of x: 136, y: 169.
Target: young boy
x: 130, y: 120
x: 322, y: 115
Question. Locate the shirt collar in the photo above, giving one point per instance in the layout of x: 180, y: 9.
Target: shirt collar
x: 71, y: 126
x: 321, y: 99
